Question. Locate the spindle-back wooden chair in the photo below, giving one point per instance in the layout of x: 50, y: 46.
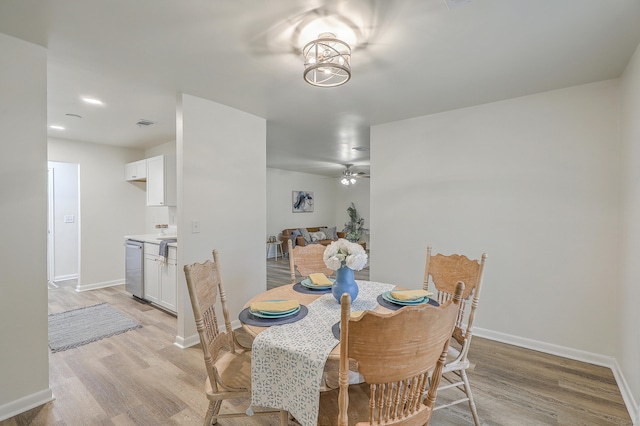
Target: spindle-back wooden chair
x: 228, y: 364
x: 395, y: 358
x: 441, y: 275
x: 308, y: 260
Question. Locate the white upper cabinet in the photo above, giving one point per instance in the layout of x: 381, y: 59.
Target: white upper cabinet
x: 136, y: 170
x: 161, y: 181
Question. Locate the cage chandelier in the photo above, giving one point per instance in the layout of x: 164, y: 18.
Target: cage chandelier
x: 327, y: 61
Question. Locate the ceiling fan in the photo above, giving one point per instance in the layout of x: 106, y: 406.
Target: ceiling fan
x: 349, y: 176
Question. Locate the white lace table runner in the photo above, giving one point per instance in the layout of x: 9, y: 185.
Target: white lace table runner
x: 288, y: 360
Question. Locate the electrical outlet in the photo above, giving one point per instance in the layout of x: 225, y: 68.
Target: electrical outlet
x: 69, y: 218
x: 195, y: 227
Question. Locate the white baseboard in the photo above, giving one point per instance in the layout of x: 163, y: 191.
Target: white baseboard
x: 85, y: 287
x: 575, y: 354
x: 627, y: 396
x: 65, y: 278
x: 549, y: 348
x: 23, y: 404
x: 187, y: 342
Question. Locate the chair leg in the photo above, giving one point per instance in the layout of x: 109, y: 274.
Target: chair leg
x: 212, y: 413
x: 209, y: 416
x: 284, y: 418
x: 472, y: 404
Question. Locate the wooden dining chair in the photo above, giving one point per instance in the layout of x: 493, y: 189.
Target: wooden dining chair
x: 227, y: 362
x: 443, y: 272
x: 308, y: 260
x: 395, y: 359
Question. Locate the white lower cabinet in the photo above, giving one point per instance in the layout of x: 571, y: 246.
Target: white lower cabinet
x: 160, y: 277
x: 151, y: 276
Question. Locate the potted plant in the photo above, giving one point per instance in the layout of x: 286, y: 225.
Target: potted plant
x: 355, y: 227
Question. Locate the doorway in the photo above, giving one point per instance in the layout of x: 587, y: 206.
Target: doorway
x: 63, y: 233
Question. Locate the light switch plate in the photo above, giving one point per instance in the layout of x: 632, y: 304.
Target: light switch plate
x: 195, y: 226
x: 69, y: 218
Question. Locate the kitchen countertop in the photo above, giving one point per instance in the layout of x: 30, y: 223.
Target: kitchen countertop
x: 151, y: 238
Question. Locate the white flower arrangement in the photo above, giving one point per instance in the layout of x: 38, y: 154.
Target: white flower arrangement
x: 343, y: 252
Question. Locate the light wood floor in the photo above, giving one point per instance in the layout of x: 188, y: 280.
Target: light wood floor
x: 141, y: 378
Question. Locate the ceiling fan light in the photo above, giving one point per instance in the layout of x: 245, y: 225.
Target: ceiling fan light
x: 344, y: 181
x: 352, y: 180
x: 327, y: 61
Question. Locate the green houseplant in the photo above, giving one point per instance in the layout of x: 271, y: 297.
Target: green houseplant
x: 355, y: 227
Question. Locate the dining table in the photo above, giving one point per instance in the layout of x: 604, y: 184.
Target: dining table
x: 289, y: 354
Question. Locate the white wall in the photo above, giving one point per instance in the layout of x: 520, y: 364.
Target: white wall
x: 110, y: 207
x: 24, y: 370
x: 532, y: 181
x: 628, y: 347
x: 66, y: 202
x: 222, y: 185
x: 156, y: 214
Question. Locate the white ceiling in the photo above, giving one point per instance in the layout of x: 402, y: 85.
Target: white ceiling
x: 411, y: 58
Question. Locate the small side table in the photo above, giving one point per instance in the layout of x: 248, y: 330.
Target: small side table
x: 278, y: 245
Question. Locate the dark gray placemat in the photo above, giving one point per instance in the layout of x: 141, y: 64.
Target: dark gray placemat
x: 395, y: 307
x: 247, y: 318
x: 336, y: 330
x: 302, y: 289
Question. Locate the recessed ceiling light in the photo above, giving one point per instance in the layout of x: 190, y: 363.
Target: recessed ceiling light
x: 56, y: 127
x: 144, y: 123
x: 93, y: 101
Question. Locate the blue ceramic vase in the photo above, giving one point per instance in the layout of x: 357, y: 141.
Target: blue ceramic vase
x: 345, y: 283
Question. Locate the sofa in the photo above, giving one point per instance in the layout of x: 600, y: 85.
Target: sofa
x: 299, y: 240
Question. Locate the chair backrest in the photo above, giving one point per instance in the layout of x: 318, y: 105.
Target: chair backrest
x: 204, y: 283
x: 445, y: 272
x: 395, y: 358
x: 308, y: 259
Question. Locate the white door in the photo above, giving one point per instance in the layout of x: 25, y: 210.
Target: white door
x: 63, y: 239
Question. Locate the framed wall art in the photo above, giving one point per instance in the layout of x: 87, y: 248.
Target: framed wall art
x: 302, y: 202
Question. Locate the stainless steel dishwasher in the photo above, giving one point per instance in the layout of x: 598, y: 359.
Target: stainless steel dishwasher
x: 134, y: 274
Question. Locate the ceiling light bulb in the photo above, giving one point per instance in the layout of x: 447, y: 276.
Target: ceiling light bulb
x: 352, y: 181
x: 56, y: 127
x: 344, y: 181
x: 93, y: 101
